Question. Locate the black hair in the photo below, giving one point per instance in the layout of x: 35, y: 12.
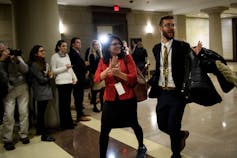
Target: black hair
x: 33, y: 52
x: 34, y: 58
x: 73, y: 40
x: 106, y: 46
x: 59, y: 43
x: 168, y: 17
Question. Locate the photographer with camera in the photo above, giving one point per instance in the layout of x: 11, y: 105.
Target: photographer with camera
x: 16, y: 70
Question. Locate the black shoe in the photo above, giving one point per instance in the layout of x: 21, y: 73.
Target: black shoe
x: 47, y: 138
x: 95, y: 109
x: 141, y: 152
x: 25, y: 140
x: 185, y: 135
x: 176, y: 156
x: 74, y: 124
x: 9, y: 146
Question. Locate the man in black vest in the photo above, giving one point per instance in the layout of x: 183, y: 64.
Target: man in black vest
x: 170, y: 57
x: 80, y: 70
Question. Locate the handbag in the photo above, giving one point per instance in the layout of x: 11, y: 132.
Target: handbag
x: 140, y: 89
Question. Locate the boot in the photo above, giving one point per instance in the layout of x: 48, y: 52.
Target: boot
x: 95, y: 109
x: 229, y: 75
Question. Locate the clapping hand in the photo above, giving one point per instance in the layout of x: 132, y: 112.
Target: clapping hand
x: 68, y: 66
x: 74, y: 81
x: 114, y: 66
x: 113, y: 61
x: 50, y: 74
x: 198, y: 48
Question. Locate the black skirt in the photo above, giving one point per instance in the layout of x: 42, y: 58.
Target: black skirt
x: 119, y: 113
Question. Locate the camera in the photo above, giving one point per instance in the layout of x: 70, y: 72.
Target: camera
x: 16, y: 52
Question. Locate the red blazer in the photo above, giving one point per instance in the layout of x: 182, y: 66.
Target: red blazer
x: 129, y: 68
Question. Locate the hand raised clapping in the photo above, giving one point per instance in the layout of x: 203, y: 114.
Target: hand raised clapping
x: 198, y: 48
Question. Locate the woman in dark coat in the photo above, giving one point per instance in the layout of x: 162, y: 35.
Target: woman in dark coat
x: 42, y: 91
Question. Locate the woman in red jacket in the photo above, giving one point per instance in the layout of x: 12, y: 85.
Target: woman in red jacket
x: 120, y: 107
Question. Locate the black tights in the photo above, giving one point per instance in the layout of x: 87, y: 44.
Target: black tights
x: 104, y: 138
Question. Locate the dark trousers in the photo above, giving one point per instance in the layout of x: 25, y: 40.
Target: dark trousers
x: 64, y: 97
x: 78, y: 93
x: 170, y: 109
x: 41, y: 108
x: 93, y: 97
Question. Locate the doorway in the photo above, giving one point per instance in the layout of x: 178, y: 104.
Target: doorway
x: 110, y: 22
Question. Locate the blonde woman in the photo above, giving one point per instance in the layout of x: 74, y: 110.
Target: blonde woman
x: 94, y: 58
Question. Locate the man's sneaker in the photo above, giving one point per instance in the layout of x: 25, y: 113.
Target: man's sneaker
x: 9, y: 146
x: 25, y: 140
x: 141, y: 152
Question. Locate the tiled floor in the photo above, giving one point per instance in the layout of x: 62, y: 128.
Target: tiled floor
x: 213, y: 134
x: 83, y: 142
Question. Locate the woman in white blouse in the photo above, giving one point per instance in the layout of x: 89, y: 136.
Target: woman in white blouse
x: 64, y: 79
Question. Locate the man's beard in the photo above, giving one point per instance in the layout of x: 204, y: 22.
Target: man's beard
x: 167, y: 36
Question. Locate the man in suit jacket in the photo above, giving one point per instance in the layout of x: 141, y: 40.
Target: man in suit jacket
x: 80, y: 70
x: 169, y: 80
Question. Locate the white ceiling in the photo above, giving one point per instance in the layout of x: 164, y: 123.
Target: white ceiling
x: 188, y: 7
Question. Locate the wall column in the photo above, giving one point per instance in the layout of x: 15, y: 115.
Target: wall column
x: 37, y: 22
x: 215, y: 33
x: 180, y: 30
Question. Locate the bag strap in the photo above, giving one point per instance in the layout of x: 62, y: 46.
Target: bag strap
x: 137, y: 69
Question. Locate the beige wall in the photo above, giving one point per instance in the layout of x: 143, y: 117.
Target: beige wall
x: 198, y: 30
x: 180, y: 27
x: 78, y: 23
x: 137, y: 21
x: 6, y: 31
x: 227, y: 38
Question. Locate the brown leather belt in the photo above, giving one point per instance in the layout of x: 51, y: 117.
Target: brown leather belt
x: 168, y: 88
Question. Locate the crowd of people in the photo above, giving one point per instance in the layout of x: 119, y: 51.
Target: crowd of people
x: 111, y: 70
